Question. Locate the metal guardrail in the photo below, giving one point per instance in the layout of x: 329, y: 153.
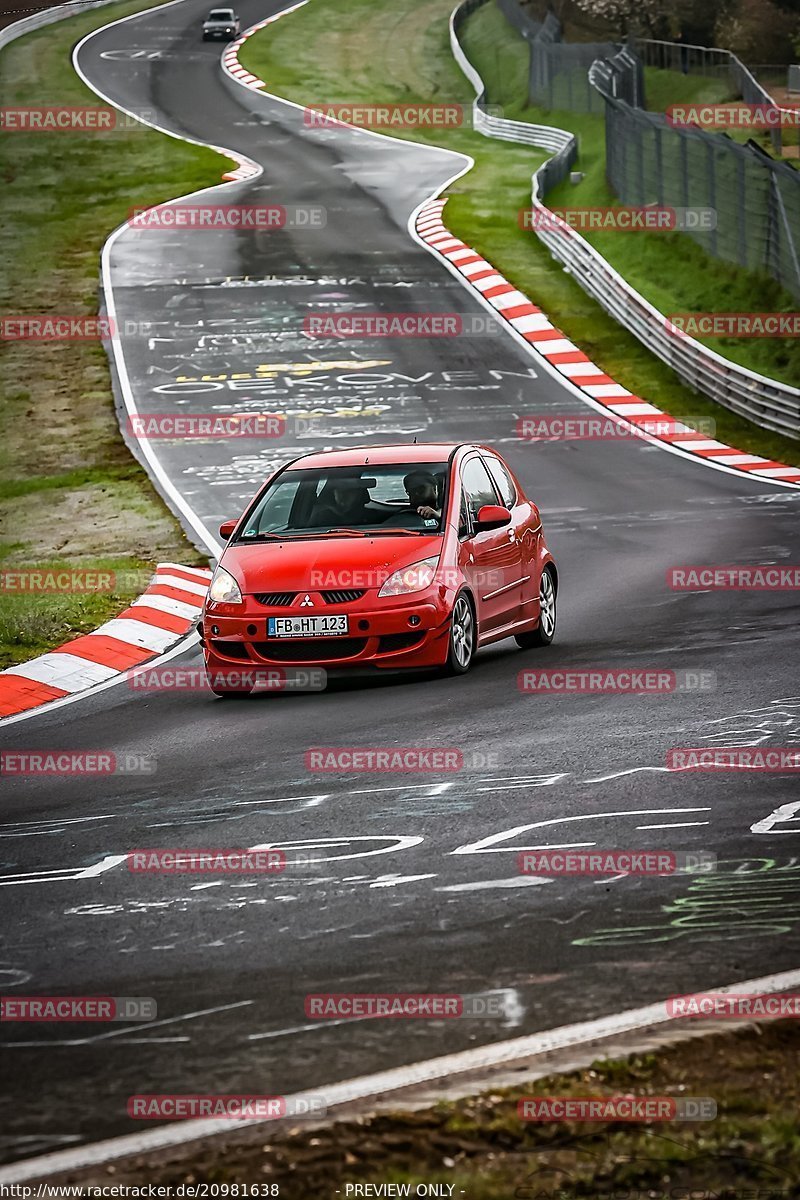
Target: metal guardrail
x: 767, y: 402
x: 47, y: 16
x: 546, y: 137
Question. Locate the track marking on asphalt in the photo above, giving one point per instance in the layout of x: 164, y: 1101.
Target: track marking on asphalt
x: 59, y: 874
x: 674, y: 825
x: 485, y: 885
x: 784, y: 814
x: 486, y: 845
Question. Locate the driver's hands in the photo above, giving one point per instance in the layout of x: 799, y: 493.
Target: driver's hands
x: 425, y: 510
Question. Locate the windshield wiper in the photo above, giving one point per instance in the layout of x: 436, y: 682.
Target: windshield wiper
x: 347, y: 532
x: 275, y: 537
x: 399, y: 532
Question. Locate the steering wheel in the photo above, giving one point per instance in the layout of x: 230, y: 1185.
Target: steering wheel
x: 403, y: 519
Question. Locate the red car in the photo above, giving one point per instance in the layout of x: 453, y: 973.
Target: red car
x: 383, y: 556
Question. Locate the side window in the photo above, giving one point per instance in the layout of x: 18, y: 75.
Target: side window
x: 478, y: 486
x: 503, y: 480
x: 464, y: 523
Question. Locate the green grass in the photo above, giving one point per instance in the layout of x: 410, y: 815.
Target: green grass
x: 663, y: 88
x: 375, y: 50
x: 32, y: 623
x: 71, y: 490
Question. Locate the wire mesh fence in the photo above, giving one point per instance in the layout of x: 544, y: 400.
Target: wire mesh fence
x: 651, y: 161
x: 755, y: 198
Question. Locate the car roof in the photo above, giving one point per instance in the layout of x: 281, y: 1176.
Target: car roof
x: 359, y: 456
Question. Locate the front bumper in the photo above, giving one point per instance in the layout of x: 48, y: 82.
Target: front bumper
x: 403, y: 632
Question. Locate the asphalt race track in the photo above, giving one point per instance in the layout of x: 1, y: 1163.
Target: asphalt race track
x: 417, y: 887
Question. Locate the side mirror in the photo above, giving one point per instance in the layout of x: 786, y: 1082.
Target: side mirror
x: 226, y: 529
x: 492, y: 516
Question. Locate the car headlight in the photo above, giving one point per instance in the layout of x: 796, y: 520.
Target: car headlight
x: 224, y: 588
x: 414, y: 578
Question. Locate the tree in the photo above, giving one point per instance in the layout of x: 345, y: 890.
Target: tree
x: 758, y: 31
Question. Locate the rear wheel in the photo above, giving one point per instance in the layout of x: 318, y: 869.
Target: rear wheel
x: 544, y: 634
x: 461, y: 646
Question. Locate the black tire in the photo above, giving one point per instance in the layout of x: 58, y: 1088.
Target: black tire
x: 461, y: 643
x: 546, y: 629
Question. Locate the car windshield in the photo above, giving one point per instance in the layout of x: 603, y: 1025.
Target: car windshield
x: 221, y: 14
x: 391, y: 499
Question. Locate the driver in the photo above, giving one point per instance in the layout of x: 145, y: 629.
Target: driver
x: 344, y: 502
x: 422, y: 493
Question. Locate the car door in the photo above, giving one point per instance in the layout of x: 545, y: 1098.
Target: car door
x: 492, y: 559
x: 528, y: 529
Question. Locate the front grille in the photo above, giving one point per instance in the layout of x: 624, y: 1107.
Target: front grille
x: 310, y: 649
x: 229, y: 649
x: 343, y: 596
x: 398, y: 641
x: 275, y: 599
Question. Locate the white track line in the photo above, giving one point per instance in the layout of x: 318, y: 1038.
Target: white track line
x: 194, y: 521
x: 380, y: 1085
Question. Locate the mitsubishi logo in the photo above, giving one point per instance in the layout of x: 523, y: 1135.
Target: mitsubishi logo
x: 306, y: 602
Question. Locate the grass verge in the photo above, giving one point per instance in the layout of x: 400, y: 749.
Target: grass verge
x: 377, y: 50
x: 484, y: 1151
x: 71, y: 491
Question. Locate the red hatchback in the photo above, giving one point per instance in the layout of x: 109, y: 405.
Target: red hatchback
x: 383, y: 556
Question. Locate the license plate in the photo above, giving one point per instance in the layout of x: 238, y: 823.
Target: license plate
x: 297, y: 627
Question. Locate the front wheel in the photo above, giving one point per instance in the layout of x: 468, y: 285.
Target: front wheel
x: 461, y: 646
x: 544, y: 634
